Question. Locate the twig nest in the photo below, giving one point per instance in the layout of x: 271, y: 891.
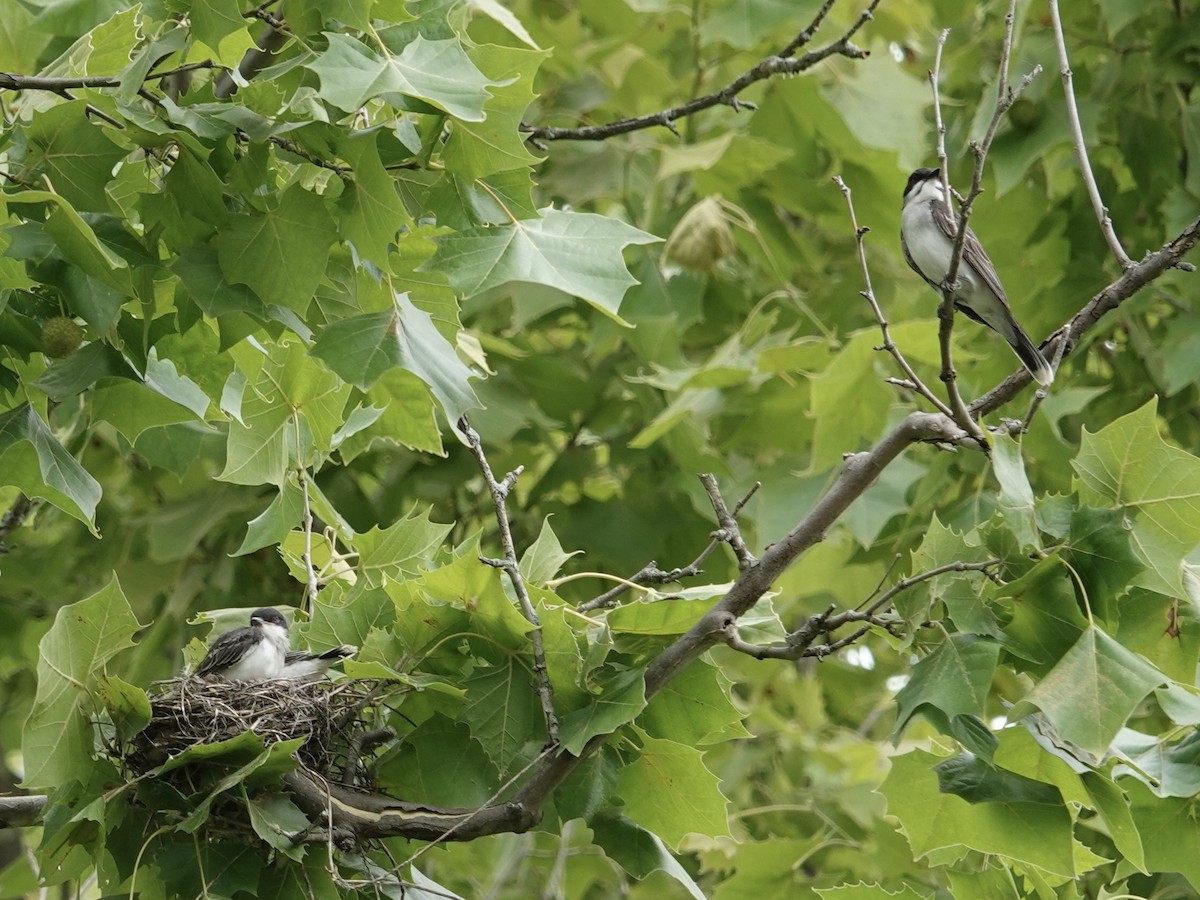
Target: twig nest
x: 193, y: 711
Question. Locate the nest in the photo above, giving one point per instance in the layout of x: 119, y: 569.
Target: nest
x: 190, y: 711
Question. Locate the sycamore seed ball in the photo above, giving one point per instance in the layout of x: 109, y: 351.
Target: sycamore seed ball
x: 61, y: 336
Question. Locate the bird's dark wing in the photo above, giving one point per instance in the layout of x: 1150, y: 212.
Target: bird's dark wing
x: 973, y: 253
x: 227, y: 650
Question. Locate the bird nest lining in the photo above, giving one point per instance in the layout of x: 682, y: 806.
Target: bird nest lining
x: 189, y: 711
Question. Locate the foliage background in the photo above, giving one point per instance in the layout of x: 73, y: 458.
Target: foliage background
x: 207, y: 246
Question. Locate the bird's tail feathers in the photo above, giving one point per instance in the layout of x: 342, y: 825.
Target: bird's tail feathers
x: 1030, y: 356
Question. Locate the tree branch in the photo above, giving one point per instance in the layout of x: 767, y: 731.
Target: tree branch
x: 253, y: 61
x: 782, y: 63
x: 499, y: 491
x: 1081, y: 154
x: 20, y: 812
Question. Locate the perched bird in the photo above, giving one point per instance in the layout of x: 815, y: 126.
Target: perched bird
x: 928, y: 228
x: 304, y: 665
x: 254, y: 653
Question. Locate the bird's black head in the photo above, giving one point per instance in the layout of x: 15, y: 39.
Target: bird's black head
x: 268, y: 616
x: 919, y: 176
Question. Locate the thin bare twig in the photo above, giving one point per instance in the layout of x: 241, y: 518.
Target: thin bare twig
x: 911, y: 381
x: 783, y: 63
x: 499, y: 491
x: 960, y: 414
x: 11, y: 81
x: 1081, y: 154
x: 801, y: 642
x: 312, y: 585
x: 652, y: 574
x: 729, y: 532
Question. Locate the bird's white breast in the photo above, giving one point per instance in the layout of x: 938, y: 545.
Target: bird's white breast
x: 264, y: 660
x: 929, y: 248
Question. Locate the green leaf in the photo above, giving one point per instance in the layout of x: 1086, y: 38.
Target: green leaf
x: 279, y: 822
x: 622, y: 698
x: 1127, y: 463
x: 32, y: 459
x: 476, y: 149
x: 544, y: 557
x: 1026, y: 833
x: 78, y: 243
x: 363, y: 348
x: 281, y: 253
x: 72, y: 153
x: 273, y: 523
x: 399, y: 549
x: 438, y: 72
x: 1168, y: 829
x: 953, y: 680
x: 668, y: 790
x: 1016, y: 494
x: 408, y: 417
x: 127, y: 705
x: 262, y: 445
x: 640, y: 852
x: 504, y: 714
x: 213, y: 20
x: 879, y: 101
x: 272, y: 762
x: 976, y: 781
x: 442, y: 765
x: 1092, y: 691
x: 57, y: 744
x: 371, y: 209
x: 694, y: 708
x: 1113, y: 805
x: 132, y: 407
x: 850, y: 400
x: 579, y: 253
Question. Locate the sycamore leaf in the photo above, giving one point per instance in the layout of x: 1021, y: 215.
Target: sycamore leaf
x: 503, y: 712
x: 438, y: 72
x: 72, y: 153
x: 362, y: 348
x: 579, y: 253
x: 77, y: 242
x: 1129, y: 464
x: 495, y: 144
x: 57, y: 743
x: 668, y: 790
x: 639, y: 851
x: 953, y: 680
x: 1092, y: 691
x: 272, y: 525
x: 1032, y: 833
x: 623, y: 698
x: 545, y: 556
x: 371, y: 211
x: 32, y: 459
x: 280, y: 253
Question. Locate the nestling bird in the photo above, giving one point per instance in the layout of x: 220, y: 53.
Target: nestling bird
x: 254, y: 653
x: 928, y: 228
x: 263, y: 651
